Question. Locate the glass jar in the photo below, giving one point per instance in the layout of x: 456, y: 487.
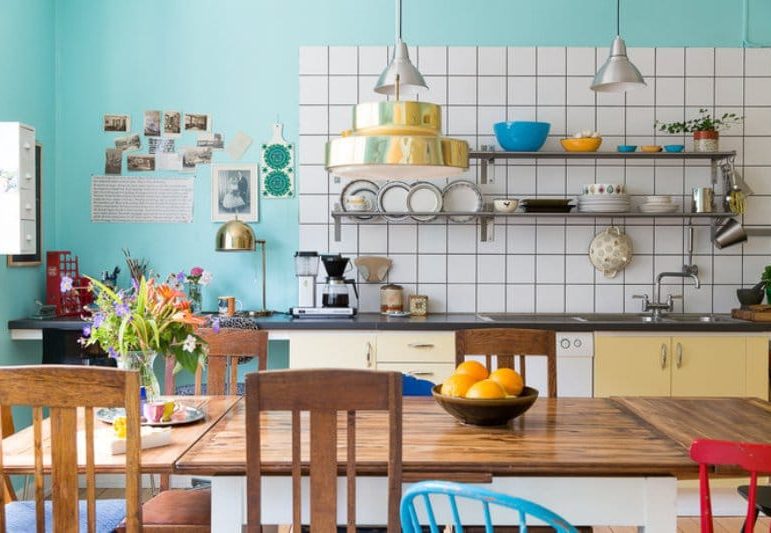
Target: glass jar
x: 391, y: 298
x: 143, y: 362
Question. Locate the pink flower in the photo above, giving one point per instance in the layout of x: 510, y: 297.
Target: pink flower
x: 196, y: 271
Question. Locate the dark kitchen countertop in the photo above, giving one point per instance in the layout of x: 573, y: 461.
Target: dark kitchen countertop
x: 439, y: 322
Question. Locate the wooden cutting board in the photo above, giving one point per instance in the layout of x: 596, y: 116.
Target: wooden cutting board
x: 755, y: 313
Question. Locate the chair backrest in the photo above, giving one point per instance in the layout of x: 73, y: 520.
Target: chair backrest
x: 6, y: 421
x: 64, y: 389
x: 754, y: 458
x: 324, y: 393
x: 507, y: 343
x: 225, y: 347
x: 454, y: 491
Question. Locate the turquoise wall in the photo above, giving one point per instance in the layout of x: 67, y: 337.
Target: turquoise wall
x: 237, y: 59
x: 26, y: 95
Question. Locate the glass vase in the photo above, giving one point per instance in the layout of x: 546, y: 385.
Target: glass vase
x: 195, y: 295
x: 143, y: 362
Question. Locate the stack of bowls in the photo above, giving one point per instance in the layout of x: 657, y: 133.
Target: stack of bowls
x: 658, y: 204
x: 603, y: 198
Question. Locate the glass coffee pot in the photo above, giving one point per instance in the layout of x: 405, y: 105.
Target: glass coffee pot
x: 335, y: 292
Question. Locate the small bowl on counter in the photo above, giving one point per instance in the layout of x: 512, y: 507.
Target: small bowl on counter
x: 584, y: 144
x: 650, y: 148
x: 674, y: 148
x: 521, y: 136
x: 626, y: 148
x: 505, y: 205
x: 486, y: 412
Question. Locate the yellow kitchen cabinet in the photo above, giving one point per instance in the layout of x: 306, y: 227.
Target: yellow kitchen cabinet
x: 631, y: 366
x: 682, y: 365
x: 338, y: 349
x: 434, y: 372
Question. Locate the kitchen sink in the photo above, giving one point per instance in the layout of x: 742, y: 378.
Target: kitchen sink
x: 694, y: 317
x: 525, y: 317
x: 619, y: 317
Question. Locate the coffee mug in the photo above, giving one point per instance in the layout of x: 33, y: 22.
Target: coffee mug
x: 226, y: 305
x: 157, y: 411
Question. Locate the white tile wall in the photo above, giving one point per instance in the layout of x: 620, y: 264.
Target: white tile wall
x: 535, y: 264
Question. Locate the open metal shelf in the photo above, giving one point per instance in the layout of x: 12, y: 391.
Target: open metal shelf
x: 487, y: 157
x: 488, y: 217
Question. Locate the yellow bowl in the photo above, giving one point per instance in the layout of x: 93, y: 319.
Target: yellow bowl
x: 650, y: 148
x: 586, y: 144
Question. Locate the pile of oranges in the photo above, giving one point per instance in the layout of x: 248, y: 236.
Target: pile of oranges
x: 472, y: 380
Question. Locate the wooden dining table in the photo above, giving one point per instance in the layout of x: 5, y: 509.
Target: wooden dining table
x: 595, y: 461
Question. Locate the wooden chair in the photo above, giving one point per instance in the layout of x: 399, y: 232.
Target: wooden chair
x: 461, y: 491
x: 63, y: 389
x: 6, y: 421
x: 225, y: 348
x: 310, y: 390
x: 505, y: 344
x: 754, y: 458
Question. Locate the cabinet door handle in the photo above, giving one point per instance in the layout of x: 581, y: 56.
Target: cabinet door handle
x: 663, y: 356
x: 419, y: 373
x: 679, y: 355
x: 369, y: 355
x: 420, y: 345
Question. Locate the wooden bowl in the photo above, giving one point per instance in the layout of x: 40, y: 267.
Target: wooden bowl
x: 486, y: 412
x: 585, y: 144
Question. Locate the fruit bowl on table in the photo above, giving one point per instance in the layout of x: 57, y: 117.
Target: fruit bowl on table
x: 483, y: 412
x: 583, y: 144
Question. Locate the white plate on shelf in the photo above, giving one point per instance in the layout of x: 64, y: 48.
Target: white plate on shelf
x: 392, y: 198
x: 658, y: 208
x: 366, y: 188
x: 424, y: 197
x: 462, y: 195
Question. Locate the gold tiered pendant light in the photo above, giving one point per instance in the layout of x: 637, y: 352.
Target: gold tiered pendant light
x: 398, y: 139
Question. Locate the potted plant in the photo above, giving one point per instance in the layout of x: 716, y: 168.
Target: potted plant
x: 765, y: 277
x: 135, y: 326
x: 705, y: 129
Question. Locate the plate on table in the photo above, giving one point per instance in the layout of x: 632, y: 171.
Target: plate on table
x: 462, y: 195
x: 393, y: 198
x: 183, y: 414
x: 424, y: 197
x: 366, y: 188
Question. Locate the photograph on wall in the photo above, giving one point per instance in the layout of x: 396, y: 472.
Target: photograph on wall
x: 234, y: 192
x: 172, y: 122
x: 152, y: 123
x: 113, y: 161
x: 117, y: 123
x: 157, y: 145
x: 168, y: 161
x: 197, y: 122
x: 129, y: 143
x: 211, y: 140
x: 196, y: 155
x: 140, y: 163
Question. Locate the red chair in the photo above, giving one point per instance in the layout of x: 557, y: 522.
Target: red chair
x: 754, y: 458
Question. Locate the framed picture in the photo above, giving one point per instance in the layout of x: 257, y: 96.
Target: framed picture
x: 29, y: 260
x: 234, y: 192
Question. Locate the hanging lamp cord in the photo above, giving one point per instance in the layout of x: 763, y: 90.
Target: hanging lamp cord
x: 398, y: 21
x: 618, y: 17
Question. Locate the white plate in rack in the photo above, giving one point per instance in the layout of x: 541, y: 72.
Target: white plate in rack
x: 366, y: 188
x: 392, y: 198
x: 424, y: 197
x: 462, y: 195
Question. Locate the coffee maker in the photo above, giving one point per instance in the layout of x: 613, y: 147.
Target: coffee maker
x: 335, y: 296
x: 306, y: 268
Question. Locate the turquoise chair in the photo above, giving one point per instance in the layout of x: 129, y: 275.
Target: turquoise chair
x: 424, y: 489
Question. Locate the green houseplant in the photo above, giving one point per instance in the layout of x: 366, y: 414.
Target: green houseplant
x: 135, y: 326
x: 705, y: 129
x: 766, y: 278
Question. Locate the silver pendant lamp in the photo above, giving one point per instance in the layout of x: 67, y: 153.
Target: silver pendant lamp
x: 400, y: 67
x: 397, y: 139
x: 618, y: 74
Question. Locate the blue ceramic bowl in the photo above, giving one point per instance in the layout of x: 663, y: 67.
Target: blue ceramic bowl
x: 674, y: 148
x: 521, y: 136
x: 626, y: 147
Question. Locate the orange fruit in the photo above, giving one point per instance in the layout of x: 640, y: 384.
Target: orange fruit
x: 472, y: 368
x: 509, y: 379
x: 487, y: 389
x: 457, y: 385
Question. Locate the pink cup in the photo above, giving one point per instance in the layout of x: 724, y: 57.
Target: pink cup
x: 153, y: 411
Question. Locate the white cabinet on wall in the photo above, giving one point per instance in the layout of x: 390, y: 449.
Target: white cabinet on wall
x: 17, y: 189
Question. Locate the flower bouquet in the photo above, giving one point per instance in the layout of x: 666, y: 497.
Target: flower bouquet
x: 196, y: 280
x: 135, y: 326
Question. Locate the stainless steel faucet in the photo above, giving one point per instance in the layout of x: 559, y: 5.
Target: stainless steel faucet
x: 657, y: 307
